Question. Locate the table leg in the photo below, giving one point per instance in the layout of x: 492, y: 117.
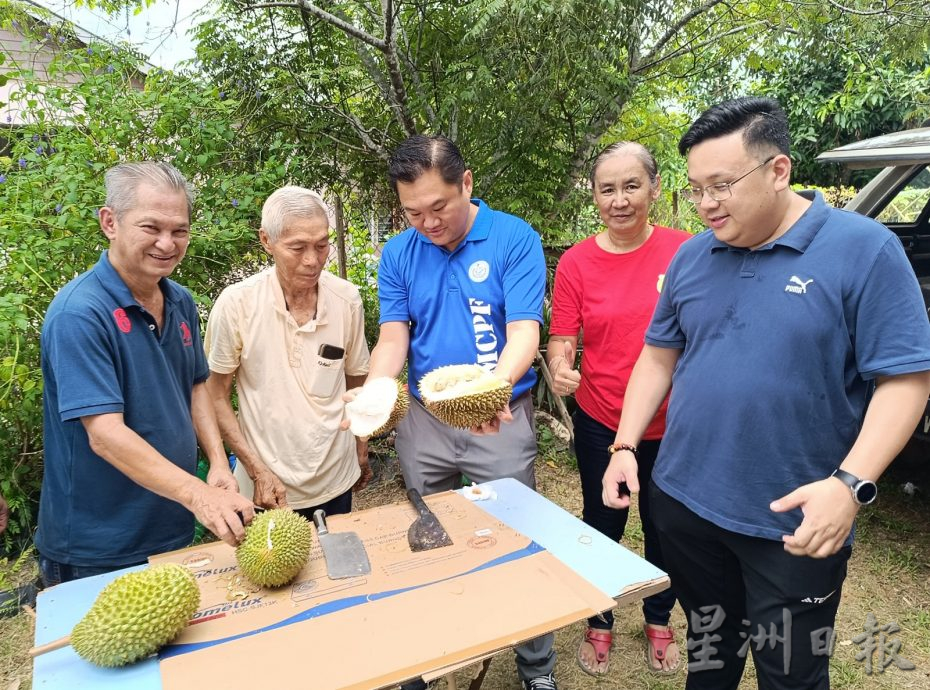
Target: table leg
x: 479, y: 679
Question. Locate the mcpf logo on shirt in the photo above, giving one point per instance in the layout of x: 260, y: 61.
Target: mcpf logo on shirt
x: 479, y: 271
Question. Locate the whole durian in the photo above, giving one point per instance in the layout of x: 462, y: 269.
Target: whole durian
x: 380, y: 404
x: 275, y: 548
x: 464, y: 395
x: 136, y: 614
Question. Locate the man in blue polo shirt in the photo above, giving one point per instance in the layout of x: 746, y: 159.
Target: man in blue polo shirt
x: 770, y: 331
x: 463, y: 285
x: 124, y: 398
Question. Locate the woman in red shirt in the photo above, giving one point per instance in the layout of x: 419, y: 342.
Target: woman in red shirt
x: 606, y: 288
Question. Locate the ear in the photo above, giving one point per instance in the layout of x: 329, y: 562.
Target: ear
x: 107, y: 218
x: 264, y: 239
x: 781, y: 165
x: 656, y: 188
x: 467, y: 182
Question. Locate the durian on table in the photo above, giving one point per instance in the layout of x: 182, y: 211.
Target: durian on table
x: 464, y: 395
x: 134, y: 616
x: 276, y: 547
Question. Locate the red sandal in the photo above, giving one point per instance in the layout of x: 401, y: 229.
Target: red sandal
x: 657, y: 643
x: 601, y: 640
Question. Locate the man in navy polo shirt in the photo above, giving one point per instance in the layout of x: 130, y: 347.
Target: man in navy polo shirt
x: 463, y: 285
x: 771, y: 331
x: 124, y: 399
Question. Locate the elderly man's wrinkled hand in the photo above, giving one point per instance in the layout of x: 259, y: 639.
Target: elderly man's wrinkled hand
x: 269, y: 491
x: 222, y: 478
x: 221, y: 511
x: 829, y: 511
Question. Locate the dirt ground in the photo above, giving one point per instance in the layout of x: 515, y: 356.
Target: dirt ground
x: 889, y: 577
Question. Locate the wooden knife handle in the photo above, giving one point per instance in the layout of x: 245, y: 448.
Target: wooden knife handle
x: 50, y: 646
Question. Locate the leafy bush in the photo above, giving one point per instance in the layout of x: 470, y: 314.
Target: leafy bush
x: 95, y: 109
x: 837, y: 197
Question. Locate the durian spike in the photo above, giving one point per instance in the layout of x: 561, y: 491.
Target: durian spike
x: 50, y: 646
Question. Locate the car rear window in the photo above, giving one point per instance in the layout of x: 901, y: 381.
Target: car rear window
x: 907, y: 206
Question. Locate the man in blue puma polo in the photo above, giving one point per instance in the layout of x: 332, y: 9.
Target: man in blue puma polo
x: 771, y: 330
x: 463, y: 285
x: 124, y: 400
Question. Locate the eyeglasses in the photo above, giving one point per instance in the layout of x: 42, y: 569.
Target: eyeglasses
x: 719, y: 190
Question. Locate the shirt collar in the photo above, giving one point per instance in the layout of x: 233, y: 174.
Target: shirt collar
x: 800, y: 235
x: 114, y: 284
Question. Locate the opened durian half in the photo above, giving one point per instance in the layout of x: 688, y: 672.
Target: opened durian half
x: 380, y: 404
x: 464, y: 395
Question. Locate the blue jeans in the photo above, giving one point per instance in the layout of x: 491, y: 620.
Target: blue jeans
x: 591, y: 441
x: 54, y: 573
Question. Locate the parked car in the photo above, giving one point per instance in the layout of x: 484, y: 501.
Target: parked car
x: 898, y: 197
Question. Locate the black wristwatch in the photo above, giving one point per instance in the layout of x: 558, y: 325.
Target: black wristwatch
x: 864, y: 491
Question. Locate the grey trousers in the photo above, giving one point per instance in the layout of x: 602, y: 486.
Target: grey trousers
x: 433, y: 457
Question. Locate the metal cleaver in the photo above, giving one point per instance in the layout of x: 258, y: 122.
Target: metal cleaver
x: 426, y: 532
x: 344, y: 552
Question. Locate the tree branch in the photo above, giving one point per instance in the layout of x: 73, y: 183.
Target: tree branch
x: 387, y: 46
x: 332, y: 19
x: 673, y: 30
x: 693, y: 48
x: 393, y: 65
x: 415, y: 78
x: 870, y: 13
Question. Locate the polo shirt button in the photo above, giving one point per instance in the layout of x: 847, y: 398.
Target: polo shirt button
x: 151, y: 326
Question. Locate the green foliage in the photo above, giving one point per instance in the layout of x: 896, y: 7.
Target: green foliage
x: 842, y: 96
x: 853, y: 77
x: 96, y: 108
x: 837, y: 197
x: 530, y: 90
x: 19, y: 570
x: 362, y: 271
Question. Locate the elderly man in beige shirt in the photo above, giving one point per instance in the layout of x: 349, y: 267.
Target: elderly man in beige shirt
x: 293, y: 338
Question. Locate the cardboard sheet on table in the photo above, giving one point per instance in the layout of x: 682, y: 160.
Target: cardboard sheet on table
x: 414, y: 613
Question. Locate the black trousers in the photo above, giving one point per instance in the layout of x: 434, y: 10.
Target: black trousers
x: 340, y: 505
x: 746, y: 595
x: 591, y: 441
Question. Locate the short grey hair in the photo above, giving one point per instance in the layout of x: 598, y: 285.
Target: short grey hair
x: 122, y: 182
x: 288, y: 202
x: 632, y: 148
